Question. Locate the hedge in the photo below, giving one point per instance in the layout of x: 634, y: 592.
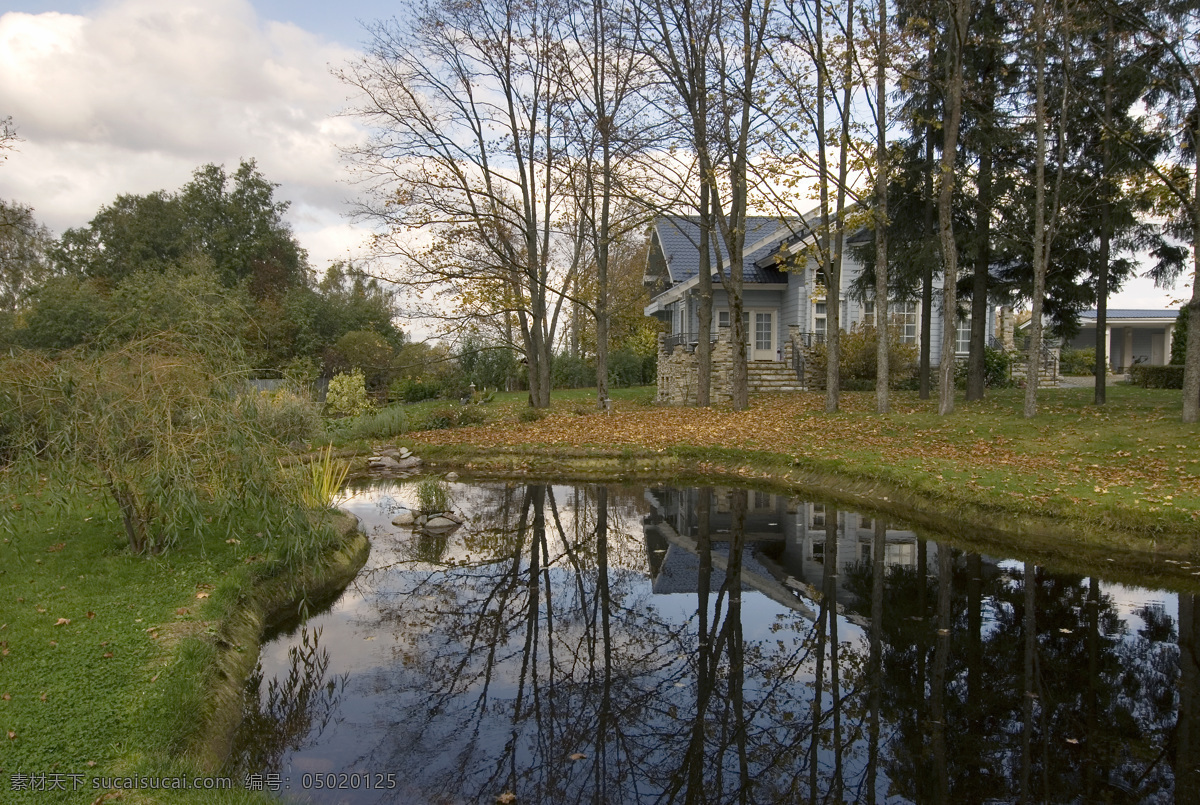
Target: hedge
x: 1157, y: 377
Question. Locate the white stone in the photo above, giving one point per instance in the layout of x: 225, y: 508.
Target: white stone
x: 404, y: 518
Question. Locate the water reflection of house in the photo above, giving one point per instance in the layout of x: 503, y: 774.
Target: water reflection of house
x: 786, y: 543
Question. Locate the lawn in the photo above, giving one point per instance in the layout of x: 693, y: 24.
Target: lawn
x: 107, y: 659
x: 1128, y: 471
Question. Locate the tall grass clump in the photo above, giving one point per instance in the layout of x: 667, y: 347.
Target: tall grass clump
x: 432, y: 496
x: 322, y: 479
x: 381, y: 424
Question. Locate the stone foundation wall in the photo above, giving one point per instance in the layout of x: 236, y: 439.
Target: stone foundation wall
x: 678, y: 372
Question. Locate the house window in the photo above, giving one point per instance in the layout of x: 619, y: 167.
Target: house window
x: 962, y: 342
x: 819, y: 321
x: 904, y: 315
x: 722, y: 318
x: 868, y: 318
x: 818, y: 516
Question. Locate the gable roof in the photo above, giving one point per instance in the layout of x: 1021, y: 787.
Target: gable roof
x: 679, y: 238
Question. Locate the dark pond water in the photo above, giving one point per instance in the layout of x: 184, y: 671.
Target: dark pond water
x: 581, y: 643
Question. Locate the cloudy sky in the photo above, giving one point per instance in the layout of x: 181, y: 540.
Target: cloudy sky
x: 130, y: 96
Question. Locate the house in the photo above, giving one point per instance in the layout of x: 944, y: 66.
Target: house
x: 786, y: 544
x: 784, y: 306
x: 1133, y: 336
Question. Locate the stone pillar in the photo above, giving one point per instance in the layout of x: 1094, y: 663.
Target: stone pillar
x: 1108, y: 349
x: 1168, y: 338
x: 1006, y: 326
x: 1127, y: 352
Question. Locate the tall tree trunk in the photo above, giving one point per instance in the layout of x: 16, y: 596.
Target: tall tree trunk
x: 1102, y: 269
x: 1191, y: 359
x: 705, y: 290
x: 602, y: 267
x: 833, y: 305
x: 1039, y: 211
x: 882, y: 370
x: 976, y: 359
x: 832, y: 379
x: 956, y: 40
x: 924, y: 370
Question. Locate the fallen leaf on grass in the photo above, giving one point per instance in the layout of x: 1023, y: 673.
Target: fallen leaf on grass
x: 202, y: 595
x: 56, y: 547
x: 62, y: 622
x: 6, y: 697
x: 12, y: 736
x: 107, y: 654
x: 54, y: 642
x: 91, y: 614
x: 42, y: 697
x: 183, y: 611
x: 90, y: 763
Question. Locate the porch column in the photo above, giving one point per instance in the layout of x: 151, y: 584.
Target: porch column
x: 1168, y: 337
x: 1108, y: 349
x: 1127, y: 354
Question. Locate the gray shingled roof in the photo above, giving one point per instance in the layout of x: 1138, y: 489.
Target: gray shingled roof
x: 679, y: 238
x: 1133, y: 313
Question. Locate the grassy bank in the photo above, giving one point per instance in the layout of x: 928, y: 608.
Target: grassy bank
x: 115, y: 665
x: 1125, y: 476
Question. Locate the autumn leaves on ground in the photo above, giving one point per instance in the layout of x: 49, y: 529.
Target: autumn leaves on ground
x: 1130, y: 463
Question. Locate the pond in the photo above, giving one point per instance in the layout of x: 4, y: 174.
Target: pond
x: 589, y: 643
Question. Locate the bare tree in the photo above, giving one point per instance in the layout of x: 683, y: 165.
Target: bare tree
x: 680, y: 44
x: 464, y: 102
x: 607, y: 121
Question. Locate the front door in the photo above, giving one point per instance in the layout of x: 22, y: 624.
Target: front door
x: 762, y: 335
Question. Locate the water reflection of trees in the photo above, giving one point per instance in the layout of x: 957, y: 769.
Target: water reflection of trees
x: 1022, y: 686
x: 531, y: 646
x: 531, y: 657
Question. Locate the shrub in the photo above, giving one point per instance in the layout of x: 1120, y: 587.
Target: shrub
x: 453, y: 416
x: 347, y: 395
x: 627, y: 368
x: 997, y: 369
x: 571, y: 372
x: 1157, y: 377
x: 857, y: 364
x: 531, y: 414
x: 286, y: 416
x: 1179, y: 338
x: 1079, y: 362
x: 413, y: 389
x: 164, y: 431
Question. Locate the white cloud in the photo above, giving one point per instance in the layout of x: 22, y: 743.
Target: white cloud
x: 133, y: 97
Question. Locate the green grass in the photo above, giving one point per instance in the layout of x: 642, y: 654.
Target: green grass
x: 117, y: 689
